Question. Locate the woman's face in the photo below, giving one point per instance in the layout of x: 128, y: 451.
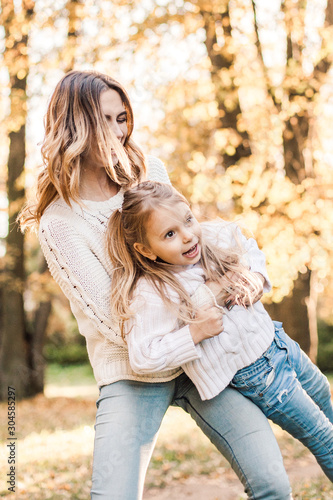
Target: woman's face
x: 116, y: 116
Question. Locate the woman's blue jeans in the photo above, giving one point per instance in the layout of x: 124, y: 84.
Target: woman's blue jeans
x: 128, y: 419
x: 293, y: 393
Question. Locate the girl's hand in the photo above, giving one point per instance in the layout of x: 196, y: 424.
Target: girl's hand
x: 209, y: 322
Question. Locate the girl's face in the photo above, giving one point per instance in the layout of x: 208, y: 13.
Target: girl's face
x: 116, y: 116
x: 173, y: 235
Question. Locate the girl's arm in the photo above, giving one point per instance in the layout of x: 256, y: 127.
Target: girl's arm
x: 155, y: 343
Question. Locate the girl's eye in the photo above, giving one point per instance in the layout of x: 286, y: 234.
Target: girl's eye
x: 121, y: 120
x: 170, y: 234
x: 189, y: 219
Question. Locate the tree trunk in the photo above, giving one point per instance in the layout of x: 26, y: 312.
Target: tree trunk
x: 74, y: 22
x: 37, y: 343
x: 15, y: 363
x: 16, y: 366
x: 222, y: 60
x: 298, y: 313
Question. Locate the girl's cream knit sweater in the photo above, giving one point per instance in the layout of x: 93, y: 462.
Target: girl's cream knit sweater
x: 155, y: 329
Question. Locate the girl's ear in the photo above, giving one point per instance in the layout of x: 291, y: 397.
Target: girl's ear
x: 143, y: 250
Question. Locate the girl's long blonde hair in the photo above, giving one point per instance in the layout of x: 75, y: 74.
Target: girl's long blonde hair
x: 74, y: 124
x: 128, y: 226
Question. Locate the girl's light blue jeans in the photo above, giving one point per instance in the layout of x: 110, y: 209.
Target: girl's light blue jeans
x: 293, y: 393
x: 128, y: 418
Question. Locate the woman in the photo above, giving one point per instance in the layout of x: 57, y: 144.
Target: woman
x: 89, y: 159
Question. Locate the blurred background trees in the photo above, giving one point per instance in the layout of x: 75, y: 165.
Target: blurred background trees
x: 236, y: 98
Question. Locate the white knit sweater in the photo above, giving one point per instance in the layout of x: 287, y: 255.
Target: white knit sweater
x: 73, y: 242
x: 154, y: 336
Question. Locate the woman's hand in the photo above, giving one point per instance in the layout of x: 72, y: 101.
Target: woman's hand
x: 226, y: 296
x: 258, y: 292
x: 209, y: 322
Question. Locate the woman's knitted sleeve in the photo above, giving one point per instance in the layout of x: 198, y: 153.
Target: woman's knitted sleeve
x: 254, y: 257
x: 155, y: 341
x: 156, y: 170
x: 229, y: 235
x: 73, y: 255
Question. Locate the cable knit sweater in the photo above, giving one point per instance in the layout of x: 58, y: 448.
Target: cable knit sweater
x: 73, y: 242
x: 154, y: 331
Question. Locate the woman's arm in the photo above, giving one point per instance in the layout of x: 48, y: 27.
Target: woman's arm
x: 229, y: 236
x: 77, y: 266
x: 254, y: 257
x: 156, y: 170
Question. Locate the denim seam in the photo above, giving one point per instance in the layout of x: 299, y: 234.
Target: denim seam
x: 223, y: 438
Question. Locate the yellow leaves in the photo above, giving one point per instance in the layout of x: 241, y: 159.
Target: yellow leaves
x: 220, y: 139
x: 225, y: 77
x: 230, y: 150
x: 293, y: 223
x: 296, y: 209
x: 201, y: 111
x: 9, y: 43
x: 15, y: 123
x: 197, y: 163
x: 24, y: 28
x: 282, y: 190
x: 213, y: 5
x: 285, y: 254
x: 238, y: 174
x: 227, y: 139
x: 21, y: 74
x: 191, y: 22
x: 309, y: 93
x: 211, y: 191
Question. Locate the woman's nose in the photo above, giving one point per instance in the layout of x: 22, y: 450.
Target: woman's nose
x: 116, y: 130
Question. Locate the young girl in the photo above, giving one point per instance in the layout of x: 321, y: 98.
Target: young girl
x: 165, y: 263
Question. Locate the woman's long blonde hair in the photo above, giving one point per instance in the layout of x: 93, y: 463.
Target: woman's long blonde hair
x: 74, y: 124
x: 128, y: 226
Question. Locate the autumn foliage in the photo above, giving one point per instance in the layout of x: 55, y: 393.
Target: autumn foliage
x: 235, y: 97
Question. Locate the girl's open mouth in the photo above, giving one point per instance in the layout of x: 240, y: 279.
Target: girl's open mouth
x: 192, y: 252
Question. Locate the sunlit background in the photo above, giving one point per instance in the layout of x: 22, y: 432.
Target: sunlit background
x: 236, y: 97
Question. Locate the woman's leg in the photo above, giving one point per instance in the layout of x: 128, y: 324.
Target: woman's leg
x: 128, y: 418
x: 243, y: 435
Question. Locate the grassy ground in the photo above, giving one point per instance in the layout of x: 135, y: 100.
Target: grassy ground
x: 55, y: 443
